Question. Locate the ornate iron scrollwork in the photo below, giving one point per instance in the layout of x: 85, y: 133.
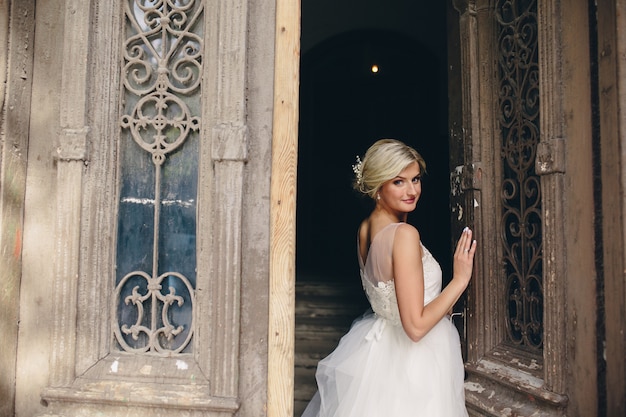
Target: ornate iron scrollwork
x: 162, y: 67
x: 521, y: 221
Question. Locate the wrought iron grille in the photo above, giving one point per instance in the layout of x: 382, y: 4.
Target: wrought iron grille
x: 521, y: 224
x: 156, y: 260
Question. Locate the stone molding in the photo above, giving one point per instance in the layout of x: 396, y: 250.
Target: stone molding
x: 72, y: 149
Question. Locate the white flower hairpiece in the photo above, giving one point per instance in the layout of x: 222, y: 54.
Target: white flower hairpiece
x: 357, y: 168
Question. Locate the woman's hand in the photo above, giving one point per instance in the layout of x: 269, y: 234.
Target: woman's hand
x: 464, y: 257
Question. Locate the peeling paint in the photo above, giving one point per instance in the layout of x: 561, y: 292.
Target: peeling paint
x: 181, y: 365
x: 533, y: 365
x: 474, y: 387
x: 475, y: 203
x: 114, y: 366
x: 150, y: 202
x: 514, y: 375
x: 146, y: 370
x: 455, y: 181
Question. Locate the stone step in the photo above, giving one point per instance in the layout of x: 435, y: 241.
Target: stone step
x: 324, y: 313
x: 324, y: 287
x: 332, y: 321
x: 304, y: 389
x: 313, y: 308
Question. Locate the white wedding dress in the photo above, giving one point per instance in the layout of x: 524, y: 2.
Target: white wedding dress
x: 376, y: 370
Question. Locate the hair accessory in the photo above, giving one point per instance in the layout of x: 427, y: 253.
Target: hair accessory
x: 357, y: 170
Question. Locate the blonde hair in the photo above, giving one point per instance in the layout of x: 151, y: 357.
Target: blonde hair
x: 383, y: 161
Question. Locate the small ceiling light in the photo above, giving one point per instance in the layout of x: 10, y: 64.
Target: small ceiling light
x: 374, y: 68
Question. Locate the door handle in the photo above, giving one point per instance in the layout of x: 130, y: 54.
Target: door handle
x: 461, y: 314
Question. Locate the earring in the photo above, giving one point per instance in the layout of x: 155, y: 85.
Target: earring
x: 377, y: 196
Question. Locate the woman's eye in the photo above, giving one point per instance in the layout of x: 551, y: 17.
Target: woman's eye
x: 398, y: 182
x: 417, y: 179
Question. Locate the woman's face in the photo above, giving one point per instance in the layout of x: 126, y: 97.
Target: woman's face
x: 400, y: 194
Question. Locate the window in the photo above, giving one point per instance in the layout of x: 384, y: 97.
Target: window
x: 157, y: 256
x: 156, y: 250
x: 514, y: 174
x: 521, y: 221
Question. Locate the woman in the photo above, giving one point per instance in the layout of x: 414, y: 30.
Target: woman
x: 404, y: 359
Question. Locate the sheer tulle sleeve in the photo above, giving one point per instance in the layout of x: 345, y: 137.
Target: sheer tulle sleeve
x: 377, y: 276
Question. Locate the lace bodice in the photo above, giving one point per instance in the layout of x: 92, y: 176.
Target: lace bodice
x: 377, y: 275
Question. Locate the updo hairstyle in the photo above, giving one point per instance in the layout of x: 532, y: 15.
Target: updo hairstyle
x: 383, y: 161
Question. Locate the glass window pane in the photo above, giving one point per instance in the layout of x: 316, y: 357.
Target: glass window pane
x: 156, y: 242
x: 521, y: 221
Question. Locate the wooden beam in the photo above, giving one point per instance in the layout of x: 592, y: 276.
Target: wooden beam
x: 281, y: 335
x: 612, y: 99
x: 17, y: 28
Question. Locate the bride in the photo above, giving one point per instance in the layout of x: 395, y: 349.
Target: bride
x: 404, y: 359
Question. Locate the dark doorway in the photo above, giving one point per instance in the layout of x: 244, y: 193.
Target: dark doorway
x: 344, y: 108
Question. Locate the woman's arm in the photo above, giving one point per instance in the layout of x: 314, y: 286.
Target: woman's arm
x: 417, y: 319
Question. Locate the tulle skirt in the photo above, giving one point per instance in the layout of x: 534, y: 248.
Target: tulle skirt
x: 377, y: 371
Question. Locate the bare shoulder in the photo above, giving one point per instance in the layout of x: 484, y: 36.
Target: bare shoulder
x: 407, y: 234
x: 364, y: 239
x: 364, y: 230
x: 406, y: 241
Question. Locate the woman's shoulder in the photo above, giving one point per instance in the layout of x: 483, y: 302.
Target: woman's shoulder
x: 406, y: 231
x: 364, y: 234
x: 369, y: 229
x: 364, y: 228
x: 406, y: 240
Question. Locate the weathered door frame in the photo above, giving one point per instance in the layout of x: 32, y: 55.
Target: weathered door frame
x: 477, y: 137
x: 555, y: 37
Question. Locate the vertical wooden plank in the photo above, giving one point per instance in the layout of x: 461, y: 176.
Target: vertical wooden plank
x: 570, y: 56
x: 17, y: 32
x: 617, y: 398
x: 282, y: 211
x: 552, y: 188
x: 474, y: 170
x: 611, y: 61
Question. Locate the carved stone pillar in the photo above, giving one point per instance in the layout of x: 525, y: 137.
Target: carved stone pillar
x: 71, y: 157
x: 225, y: 113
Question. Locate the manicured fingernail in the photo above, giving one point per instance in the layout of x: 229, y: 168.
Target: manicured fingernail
x: 466, y: 229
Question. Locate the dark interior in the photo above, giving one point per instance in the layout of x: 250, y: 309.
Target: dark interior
x: 345, y: 107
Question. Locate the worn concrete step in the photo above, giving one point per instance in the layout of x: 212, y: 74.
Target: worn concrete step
x: 325, y: 308
x: 325, y: 323
x: 324, y: 313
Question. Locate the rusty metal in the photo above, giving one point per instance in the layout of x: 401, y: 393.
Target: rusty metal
x: 162, y: 67
x: 521, y: 221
